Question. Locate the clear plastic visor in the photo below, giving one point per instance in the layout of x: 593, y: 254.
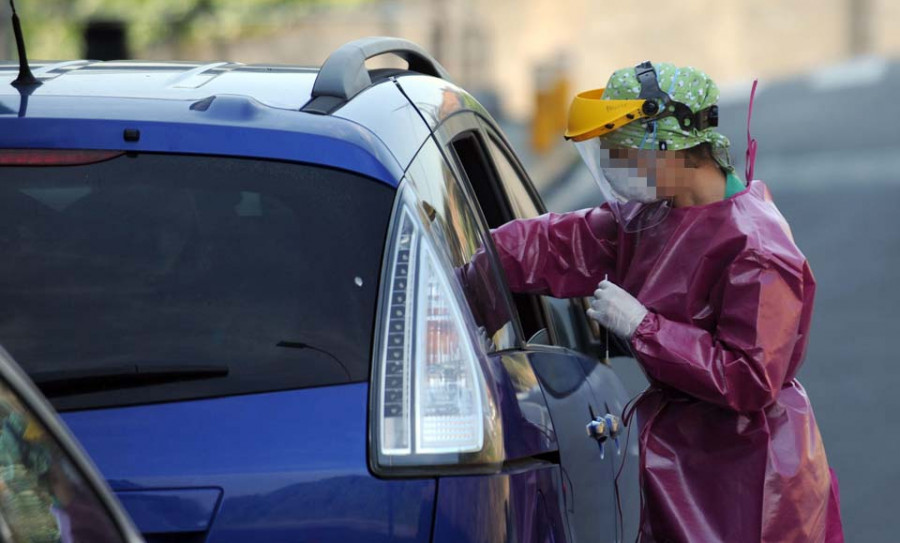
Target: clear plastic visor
x: 629, y: 181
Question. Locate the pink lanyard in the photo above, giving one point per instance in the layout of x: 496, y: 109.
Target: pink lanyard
x: 751, y: 142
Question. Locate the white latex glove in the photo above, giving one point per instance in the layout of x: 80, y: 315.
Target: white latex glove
x: 616, y: 310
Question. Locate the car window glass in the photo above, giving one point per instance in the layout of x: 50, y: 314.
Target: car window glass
x: 458, y: 231
x: 519, y: 198
x: 243, y: 275
x: 476, y: 165
x: 43, y: 496
x: 561, y: 316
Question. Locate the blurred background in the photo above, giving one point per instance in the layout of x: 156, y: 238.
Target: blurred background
x: 826, y: 118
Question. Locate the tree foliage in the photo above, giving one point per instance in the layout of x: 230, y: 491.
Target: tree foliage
x: 54, y: 27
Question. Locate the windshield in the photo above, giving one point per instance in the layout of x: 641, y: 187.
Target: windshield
x: 151, y: 278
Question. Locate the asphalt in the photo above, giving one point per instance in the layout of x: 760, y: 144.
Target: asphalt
x: 829, y: 150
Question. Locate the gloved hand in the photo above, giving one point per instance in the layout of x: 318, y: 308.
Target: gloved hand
x: 616, y: 310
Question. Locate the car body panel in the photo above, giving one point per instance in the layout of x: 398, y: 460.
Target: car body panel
x: 523, y: 407
x: 455, y: 124
x: 395, y: 122
x: 438, y: 100
x: 172, y: 511
x: 231, y: 125
x: 283, y: 87
x: 612, y: 398
x: 518, y: 507
x: 590, y: 500
x: 291, y: 466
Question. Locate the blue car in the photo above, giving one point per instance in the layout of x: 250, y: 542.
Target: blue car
x: 241, y: 287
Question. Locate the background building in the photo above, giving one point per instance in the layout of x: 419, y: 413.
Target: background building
x: 503, y: 48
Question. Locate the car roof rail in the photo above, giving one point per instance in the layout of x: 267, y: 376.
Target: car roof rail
x: 344, y: 73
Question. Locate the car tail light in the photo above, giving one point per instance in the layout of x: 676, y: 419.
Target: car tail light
x: 395, y: 367
x: 430, y: 404
x: 447, y: 395
x: 54, y: 157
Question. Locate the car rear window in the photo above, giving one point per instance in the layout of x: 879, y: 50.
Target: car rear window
x: 149, y: 278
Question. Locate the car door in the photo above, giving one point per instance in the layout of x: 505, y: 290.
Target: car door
x: 575, y: 331
x: 524, y: 501
x: 588, y: 473
x: 49, y: 489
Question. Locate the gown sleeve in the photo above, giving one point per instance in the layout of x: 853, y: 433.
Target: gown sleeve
x: 766, y: 305
x: 558, y: 254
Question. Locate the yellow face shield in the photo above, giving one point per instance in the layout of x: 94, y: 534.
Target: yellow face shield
x: 591, y: 116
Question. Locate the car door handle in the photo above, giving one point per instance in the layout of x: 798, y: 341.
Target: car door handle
x: 604, y: 427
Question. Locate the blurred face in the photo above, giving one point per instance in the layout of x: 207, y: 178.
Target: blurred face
x: 667, y: 171
x: 640, y: 175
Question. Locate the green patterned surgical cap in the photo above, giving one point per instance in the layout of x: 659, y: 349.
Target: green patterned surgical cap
x: 688, y: 85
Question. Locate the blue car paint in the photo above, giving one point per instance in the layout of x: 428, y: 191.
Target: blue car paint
x: 169, y: 127
x: 291, y: 466
x: 178, y: 511
x: 522, y: 507
x: 528, y: 427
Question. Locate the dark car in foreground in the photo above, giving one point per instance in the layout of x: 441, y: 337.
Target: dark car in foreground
x: 237, y: 285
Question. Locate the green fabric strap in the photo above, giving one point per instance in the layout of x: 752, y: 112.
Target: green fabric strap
x: 733, y: 185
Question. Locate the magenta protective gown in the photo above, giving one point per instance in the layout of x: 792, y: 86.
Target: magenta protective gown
x: 729, y: 447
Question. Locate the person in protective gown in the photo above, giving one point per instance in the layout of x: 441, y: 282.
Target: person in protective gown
x: 700, y: 275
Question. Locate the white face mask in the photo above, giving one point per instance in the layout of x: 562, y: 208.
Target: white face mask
x: 630, y: 191
x: 627, y: 184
